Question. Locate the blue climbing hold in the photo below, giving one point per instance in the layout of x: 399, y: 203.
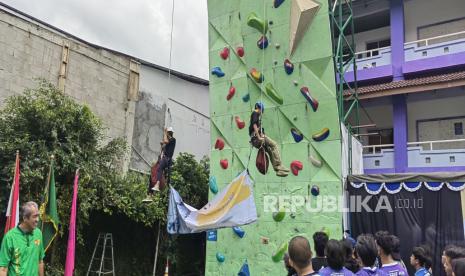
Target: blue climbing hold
x: 277, y: 3
x: 239, y: 232
x: 244, y: 270
x: 217, y: 72
x: 262, y: 43
x: 315, y: 190
x: 246, y: 98
x: 288, y: 66
x: 212, y: 184
x: 298, y: 136
x: 220, y: 257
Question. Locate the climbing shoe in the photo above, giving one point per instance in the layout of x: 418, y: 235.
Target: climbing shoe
x: 156, y: 188
x: 282, y: 168
x: 282, y: 173
x: 148, y: 199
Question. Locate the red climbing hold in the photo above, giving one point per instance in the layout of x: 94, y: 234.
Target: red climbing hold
x: 296, y: 166
x: 224, y: 53
x: 240, y: 51
x: 232, y: 91
x: 224, y: 163
x: 219, y: 144
x: 240, y: 124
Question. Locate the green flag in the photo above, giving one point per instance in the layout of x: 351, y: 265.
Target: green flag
x: 48, y: 211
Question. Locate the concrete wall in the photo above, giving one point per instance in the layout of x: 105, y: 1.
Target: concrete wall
x: 163, y: 102
x: 96, y: 77
x: 362, y: 38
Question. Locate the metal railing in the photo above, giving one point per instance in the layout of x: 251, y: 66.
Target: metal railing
x: 377, y: 148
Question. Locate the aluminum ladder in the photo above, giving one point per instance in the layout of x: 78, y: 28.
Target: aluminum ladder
x: 103, y: 265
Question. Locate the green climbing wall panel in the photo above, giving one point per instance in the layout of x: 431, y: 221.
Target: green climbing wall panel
x: 313, y: 68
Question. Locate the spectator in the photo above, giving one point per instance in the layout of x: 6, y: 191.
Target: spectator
x: 320, y: 239
x: 290, y: 270
x: 300, y: 256
x: 458, y: 267
x: 367, y: 252
x: 451, y: 253
x: 350, y: 262
x: 421, y: 261
x: 388, y: 251
x: 335, y: 256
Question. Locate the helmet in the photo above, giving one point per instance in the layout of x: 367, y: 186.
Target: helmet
x: 261, y: 106
x: 170, y: 129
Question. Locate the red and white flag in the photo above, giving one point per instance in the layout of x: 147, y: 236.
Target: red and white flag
x: 12, y: 212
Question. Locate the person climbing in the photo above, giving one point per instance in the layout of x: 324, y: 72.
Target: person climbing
x: 259, y: 140
x: 167, y: 150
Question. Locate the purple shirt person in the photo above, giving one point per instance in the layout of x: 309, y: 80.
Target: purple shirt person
x: 370, y: 271
x: 335, y: 255
x: 328, y: 271
x: 394, y: 269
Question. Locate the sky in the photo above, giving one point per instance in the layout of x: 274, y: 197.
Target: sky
x: 140, y: 28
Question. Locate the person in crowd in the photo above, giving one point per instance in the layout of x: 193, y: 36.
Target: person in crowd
x: 421, y: 260
x: 458, y: 267
x: 350, y: 262
x: 366, y: 251
x: 320, y: 239
x: 451, y: 253
x: 388, y: 251
x: 300, y: 256
x: 335, y: 255
x: 290, y: 270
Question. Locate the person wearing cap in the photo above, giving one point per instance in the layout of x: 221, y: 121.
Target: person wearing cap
x: 259, y: 139
x: 388, y: 251
x: 167, y: 150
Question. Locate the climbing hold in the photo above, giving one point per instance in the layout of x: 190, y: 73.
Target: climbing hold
x: 244, y: 270
x: 288, y: 66
x: 212, y: 184
x: 273, y: 94
x: 239, y: 232
x: 294, y: 118
x: 240, y: 51
x: 298, y: 136
x: 231, y: 92
x: 292, y: 216
x: 262, y: 162
x: 264, y: 240
x: 279, y: 216
x: 256, y: 75
x: 262, y: 43
x: 296, y: 83
x: 224, y: 54
x: 219, y: 144
x: 315, y: 162
x: 302, y: 14
x: 220, y: 257
x: 246, y: 98
x: 279, y: 254
x: 296, y: 166
x: 320, y: 136
x: 277, y: 46
x: 277, y: 3
x: 312, y: 101
x: 257, y: 23
x: 240, y: 124
x: 315, y: 190
x: 217, y: 72
x: 224, y: 163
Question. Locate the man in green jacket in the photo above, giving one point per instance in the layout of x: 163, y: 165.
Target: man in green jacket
x: 22, y: 250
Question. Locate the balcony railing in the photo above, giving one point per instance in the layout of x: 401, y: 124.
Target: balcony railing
x: 429, y: 144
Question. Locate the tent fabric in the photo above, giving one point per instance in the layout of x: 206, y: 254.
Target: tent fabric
x: 394, y: 183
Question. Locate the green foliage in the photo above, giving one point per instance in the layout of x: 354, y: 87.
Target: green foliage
x: 44, y: 121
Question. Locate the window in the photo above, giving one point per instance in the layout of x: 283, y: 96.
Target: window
x: 376, y: 45
x: 458, y: 128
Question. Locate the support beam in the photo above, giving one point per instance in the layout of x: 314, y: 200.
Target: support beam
x: 397, y: 39
x: 399, y: 106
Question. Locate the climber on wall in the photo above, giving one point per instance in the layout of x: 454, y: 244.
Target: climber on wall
x: 259, y: 139
x: 167, y: 149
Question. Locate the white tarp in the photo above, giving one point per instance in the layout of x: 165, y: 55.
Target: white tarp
x: 233, y: 206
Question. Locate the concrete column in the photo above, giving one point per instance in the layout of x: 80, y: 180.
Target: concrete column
x: 397, y: 38
x: 399, y: 119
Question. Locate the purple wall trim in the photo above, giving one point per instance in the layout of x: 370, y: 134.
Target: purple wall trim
x: 397, y: 38
x: 384, y: 71
x: 399, y: 112
x: 433, y: 63
x: 423, y: 169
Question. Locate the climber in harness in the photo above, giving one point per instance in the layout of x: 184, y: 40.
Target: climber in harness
x: 167, y: 149
x: 260, y: 140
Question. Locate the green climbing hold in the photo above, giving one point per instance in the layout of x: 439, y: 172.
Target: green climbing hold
x: 220, y: 257
x: 212, y: 184
x: 257, y: 23
x: 279, y: 216
x: 273, y: 94
x: 279, y: 254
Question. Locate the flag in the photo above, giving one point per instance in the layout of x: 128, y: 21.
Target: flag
x: 233, y: 206
x: 69, y: 266
x: 48, y: 211
x: 12, y: 212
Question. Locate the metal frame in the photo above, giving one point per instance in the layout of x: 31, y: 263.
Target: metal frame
x: 342, y: 26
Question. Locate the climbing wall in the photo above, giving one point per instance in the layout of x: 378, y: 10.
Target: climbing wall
x: 277, y: 52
